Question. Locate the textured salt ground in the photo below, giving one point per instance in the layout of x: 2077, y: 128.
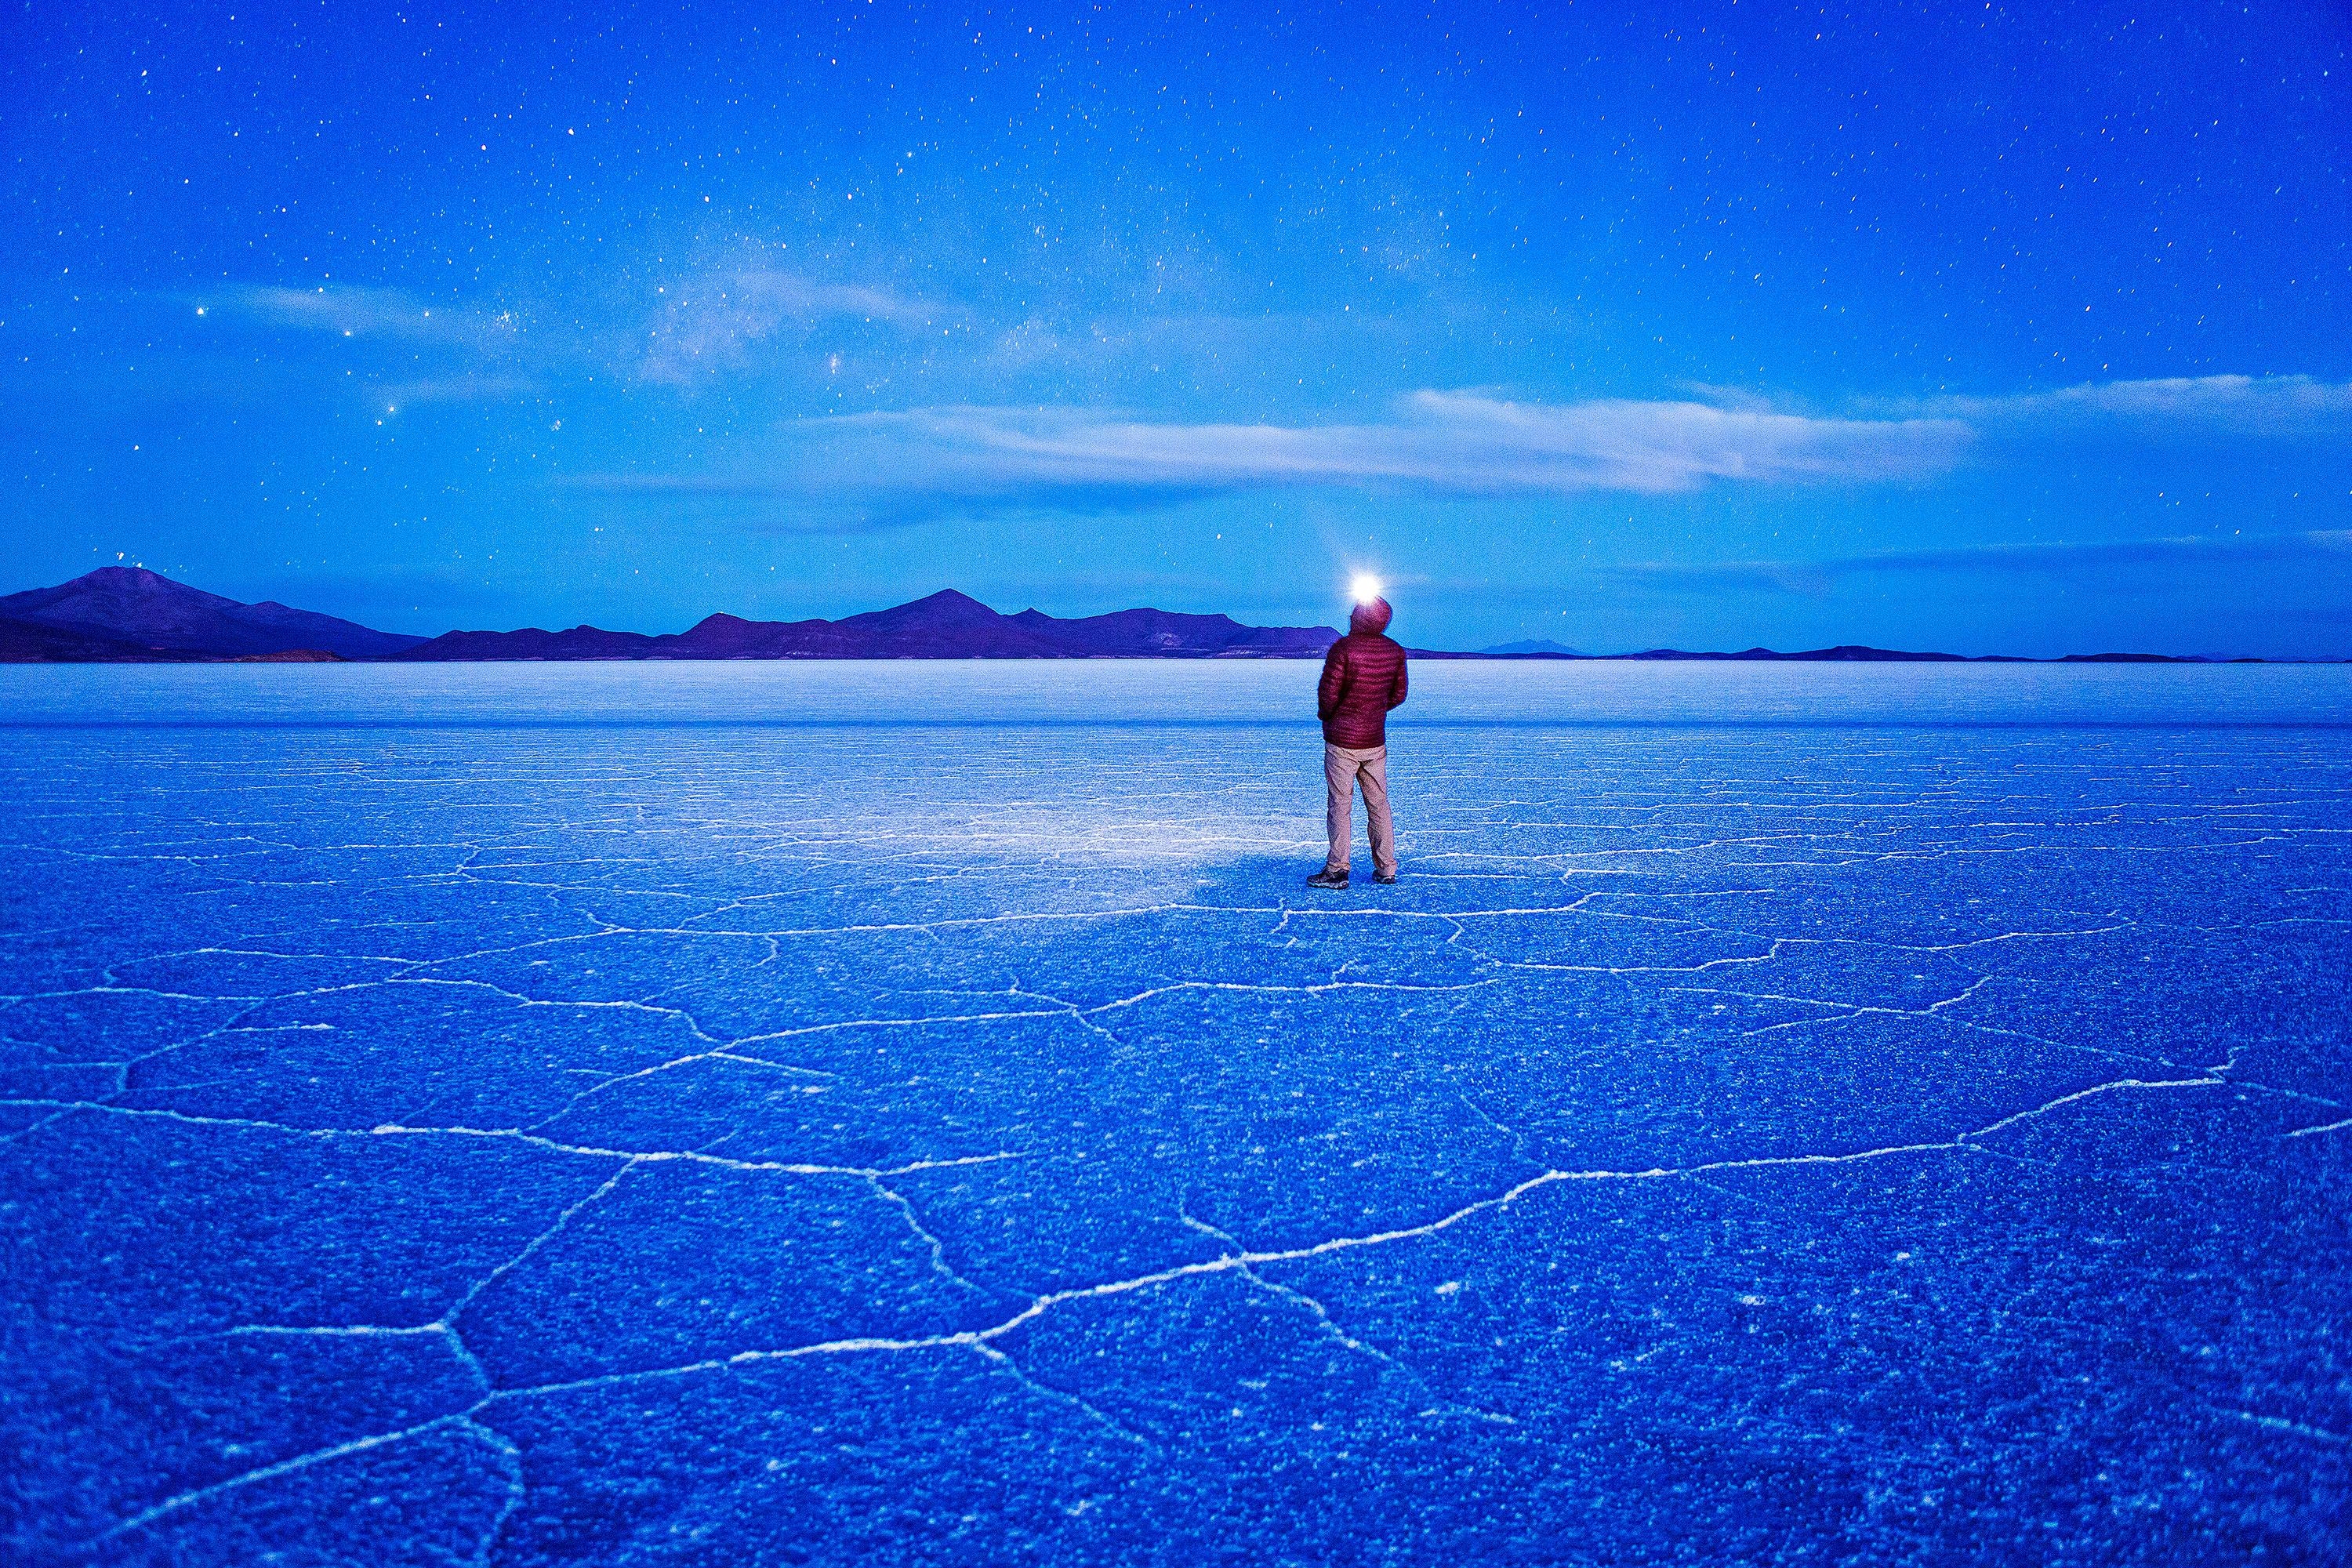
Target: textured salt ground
x: 939, y: 1146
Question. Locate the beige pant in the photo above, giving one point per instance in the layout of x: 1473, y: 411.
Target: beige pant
x: 1344, y: 770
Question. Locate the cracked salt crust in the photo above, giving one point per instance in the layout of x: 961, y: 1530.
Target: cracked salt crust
x: 1038, y: 1059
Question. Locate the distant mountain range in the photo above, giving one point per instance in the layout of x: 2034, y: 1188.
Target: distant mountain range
x: 948, y: 625
x: 128, y: 615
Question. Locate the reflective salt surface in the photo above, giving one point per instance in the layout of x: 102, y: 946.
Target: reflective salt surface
x: 915, y: 1113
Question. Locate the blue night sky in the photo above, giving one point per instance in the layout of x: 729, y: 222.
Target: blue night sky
x: 2022, y: 329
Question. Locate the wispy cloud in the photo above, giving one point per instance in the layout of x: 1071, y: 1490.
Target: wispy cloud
x: 714, y: 321
x: 881, y: 469
x: 357, y: 312
x: 1446, y: 442
x: 2330, y: 547
x: 1452, y: 443
x: 2239, y: 405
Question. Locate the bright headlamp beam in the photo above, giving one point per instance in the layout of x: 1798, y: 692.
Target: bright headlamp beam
x: 1366, y: 588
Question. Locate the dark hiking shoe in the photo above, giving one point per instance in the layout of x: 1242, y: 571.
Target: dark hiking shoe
x: 1387, y: 881
x: 1328, y: 880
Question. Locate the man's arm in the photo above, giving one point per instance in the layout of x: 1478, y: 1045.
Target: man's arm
x: 1396, y: 690
x: 1334, y: 684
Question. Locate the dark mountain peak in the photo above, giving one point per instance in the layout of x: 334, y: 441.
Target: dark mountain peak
x: 946, y: 603
x: 117, y: 588
x: 161, y: 618
x: 135, y: 580
x: 945, y: 606
x: 946, y: 610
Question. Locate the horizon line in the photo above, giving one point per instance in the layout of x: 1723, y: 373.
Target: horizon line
x: 1513, y: 650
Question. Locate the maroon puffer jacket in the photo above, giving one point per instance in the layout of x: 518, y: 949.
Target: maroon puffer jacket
x: 1364, y: 678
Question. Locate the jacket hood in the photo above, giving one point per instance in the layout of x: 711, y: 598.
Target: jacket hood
x: 1372, y: 615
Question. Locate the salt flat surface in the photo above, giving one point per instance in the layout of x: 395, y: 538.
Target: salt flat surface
x: 1102, y: 693
x: 916, y: 1114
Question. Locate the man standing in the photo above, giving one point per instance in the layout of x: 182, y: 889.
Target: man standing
x: 1364, y: 678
